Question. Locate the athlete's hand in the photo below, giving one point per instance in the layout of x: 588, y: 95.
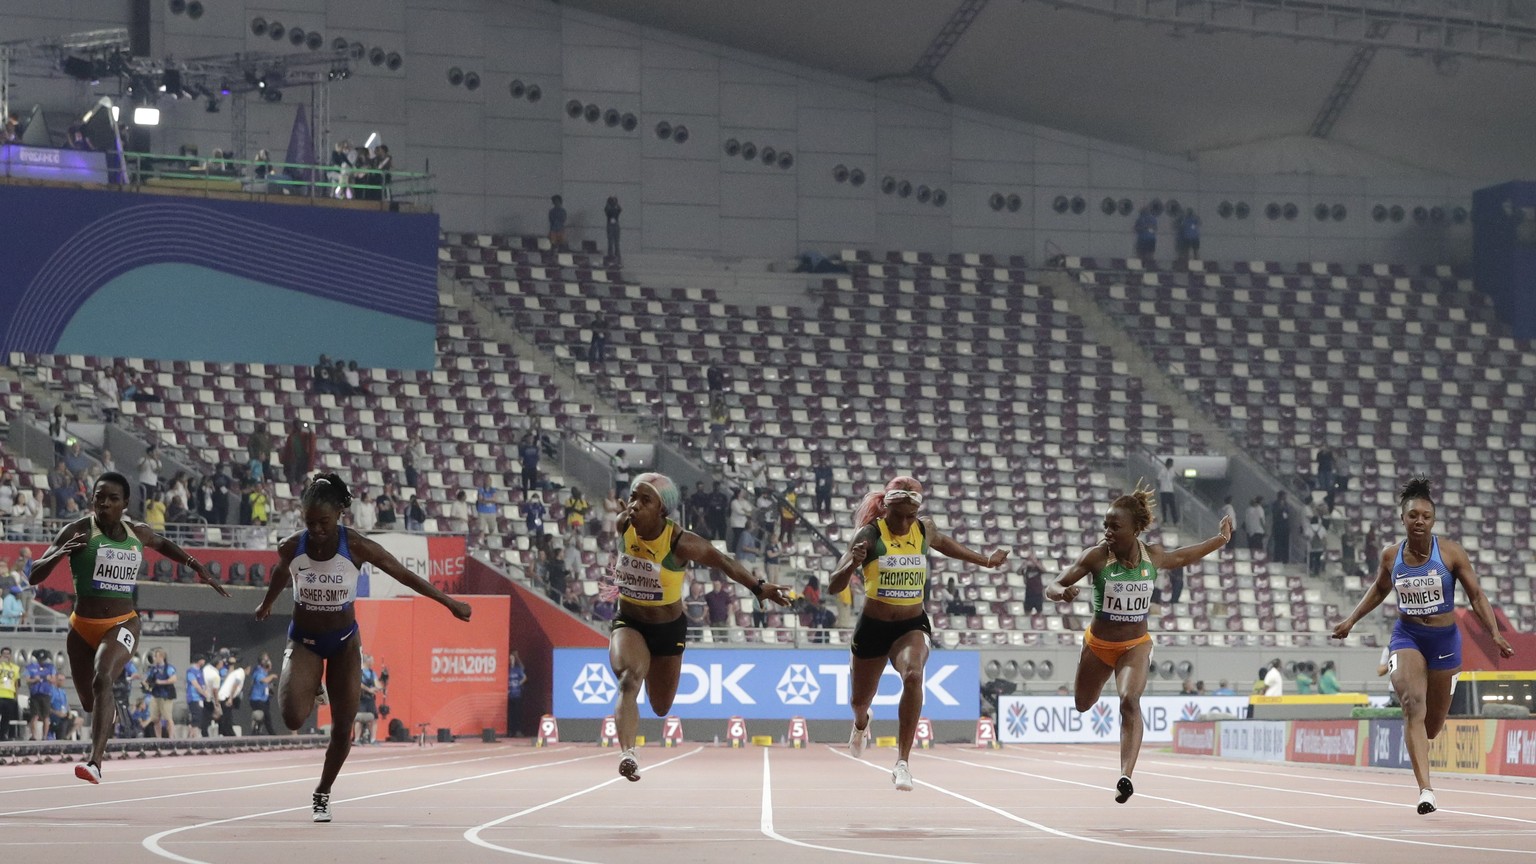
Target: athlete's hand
x: 263, y: 611
x: 1061, y: 595
x: 1225, y: 530
x: 203, y: 575
x: 776, y: 593
x: 859, y: 551
x: 460, y: 609
x: 1505, y: 649
x: 996, y: 559
x: 1341, y: 631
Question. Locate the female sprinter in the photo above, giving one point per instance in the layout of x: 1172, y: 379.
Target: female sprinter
x: 891, y: 550
x: 1426, y: 643
x: 648, y: 633
x: 323, y: 642
x: 105, y: 552
x: 1124, y: 569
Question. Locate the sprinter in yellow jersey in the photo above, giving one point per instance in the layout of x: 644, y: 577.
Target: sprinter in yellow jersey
x: 105, y: 552
x: 1124, y: 570
x: 649, y: 630
x: 891, y: 551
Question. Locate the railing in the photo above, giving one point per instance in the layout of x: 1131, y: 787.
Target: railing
x: 197, y: 534
x: 281, y: 179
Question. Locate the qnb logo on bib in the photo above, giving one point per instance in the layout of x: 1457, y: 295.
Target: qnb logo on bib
x: 1126, y: 600
x: 902, y: 577
x: 1420, y: 595
x: 115, y: 570
x: 638, y: 578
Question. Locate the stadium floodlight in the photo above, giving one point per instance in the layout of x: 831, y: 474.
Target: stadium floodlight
x: 146, y: 115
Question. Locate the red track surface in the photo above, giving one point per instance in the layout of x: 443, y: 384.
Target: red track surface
x: 499, y: 802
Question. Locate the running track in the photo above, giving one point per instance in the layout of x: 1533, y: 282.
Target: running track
x: 474, y: 802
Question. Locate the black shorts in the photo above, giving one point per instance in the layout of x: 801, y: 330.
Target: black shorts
x: 666, y: 639
x: 873, y: 638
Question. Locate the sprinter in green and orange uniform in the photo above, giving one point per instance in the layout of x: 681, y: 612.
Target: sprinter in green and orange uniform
x: 105, y: 553
x: 891, y: 552
x: 650, y: 630
x: 1124, y: 571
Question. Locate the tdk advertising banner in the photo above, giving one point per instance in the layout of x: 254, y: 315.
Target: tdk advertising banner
x: 766, y: 685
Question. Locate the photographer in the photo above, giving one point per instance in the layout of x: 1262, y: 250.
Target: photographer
x: 122, y: 692
x: 160, y: 681
x: 262, y: 678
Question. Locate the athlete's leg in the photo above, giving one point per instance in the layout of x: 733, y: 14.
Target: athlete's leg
x: 343, y: 684
x: 864, y: 679
x: 661, y: 683
x: 1131, y: 682
x: 115, y: 649
x: 909, y: 657
x: 631, y: 661
x: 1439, y: 684
x: 300, y: 679
x: 1092, y: 675
x: 1409, y: 680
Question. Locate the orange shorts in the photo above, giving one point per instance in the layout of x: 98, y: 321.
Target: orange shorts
x: 93, y: 630
x: 1111, y: 652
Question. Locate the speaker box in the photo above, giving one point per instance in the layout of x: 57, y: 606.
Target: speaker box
x: 488, y: 735
x: 444, y: 736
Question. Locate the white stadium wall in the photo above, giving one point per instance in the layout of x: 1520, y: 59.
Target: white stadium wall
x: 497, y: 159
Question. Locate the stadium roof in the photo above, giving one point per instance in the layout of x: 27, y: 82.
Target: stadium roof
x: 1445, y: 86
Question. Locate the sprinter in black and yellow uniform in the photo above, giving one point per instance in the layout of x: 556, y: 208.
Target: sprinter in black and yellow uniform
x: 105, y: 552
x: 891, y: 550
x: 1124, y: 571
x: 650, y: 631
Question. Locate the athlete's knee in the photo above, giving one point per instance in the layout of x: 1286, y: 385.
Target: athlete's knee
x: 912, y: 679
x: 629, y: 682
x: 1432, y: 726
x: 292, y: 719
x: 1413, y: 704
x: 1130, y: 709
x: 1084, y: 702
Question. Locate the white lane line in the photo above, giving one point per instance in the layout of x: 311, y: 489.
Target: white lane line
x: 1314, y: 828
x: 473, y: 834
x: 768, y: 830
x: 1139, y: 847
x: 1341, y: 774
x: 152, y: 842
x: 116, y: 782
x: 1328, y: 780
x: 143, y: 798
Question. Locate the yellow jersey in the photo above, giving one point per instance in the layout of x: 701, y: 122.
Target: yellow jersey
x: 646, y: 571
x: 896, y: 568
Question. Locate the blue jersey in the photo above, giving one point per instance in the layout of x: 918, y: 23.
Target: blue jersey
x: 1428, y: 589
x: 194, y: 678
x: 259, y: 688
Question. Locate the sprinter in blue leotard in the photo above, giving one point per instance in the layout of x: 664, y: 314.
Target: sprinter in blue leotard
x: 1426, y: 645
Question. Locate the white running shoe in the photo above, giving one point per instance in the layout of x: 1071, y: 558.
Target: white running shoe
x: 1427, y: 801
x: 322, y: 698
x: 902, y: 777
x: 629, y: 766
x: 858, y: 739
x: 90, y: 772
x: 322, y: 806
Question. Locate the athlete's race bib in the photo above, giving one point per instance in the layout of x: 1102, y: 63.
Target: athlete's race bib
x: 1420, y: 595
x: 322, y: 592
x: 1127, y: 600
x: 116, y: 570
x: 639, y: 579
x: 902, y: 577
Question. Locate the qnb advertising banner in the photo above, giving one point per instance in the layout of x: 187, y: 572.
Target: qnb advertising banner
x: 766, y: 685
x: 1056, y: 720
x: 444, y: 672
x: 437, y: 559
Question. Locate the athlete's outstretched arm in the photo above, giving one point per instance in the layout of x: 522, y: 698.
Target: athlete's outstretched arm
x: 949, y: 547
x: 1186, y: 555
x: 366, y: 551
x: 853, y: 559
x: 1064, y: 589
x: 1380, y: 587
x: 692, y: 547
x: 282, y: 574
x: 72, y: 538
x: 169, y: 549
x: 1461, y: 565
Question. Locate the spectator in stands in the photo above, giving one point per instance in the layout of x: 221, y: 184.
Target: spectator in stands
x: 719, y: 421
x: 415, y: 515
x: 576, y: 508
x: 891, y: 550
x: 611, y: 211
x: 160, y: 678
x: 822, y: 474
x: 1304, y: 679
x: 60, y: 487
x: 10, y: 607
x: 622, y: 470
x: 1253, y: 523
x: 528, y: 455
x: 1146, y: 234
x: 1274, y: 681
x: 789, y: 516
x: 1034, y: 583
x: 720, y: 599
x: 557, y: 222
x: 715, y: 378
x: 384, y: 512
x: 341, y: 169
x: 1189, y: 236
x: 612, y: 507
x: 486, y: 508
x: 154, y: 514
x: 748, y: 548
x: 1280, y: 528
x: 1123, y: 570
x: 573, y: 600
x: 1333, y: 540
x: 757, y: 470
x: 597, y: 348
x: 320, y: 377
x: 1328, y: 679
x: 258, y: 446
x: 12, y: 130
x: 77, y: 139
x: 1227, y: 510
x: 10, y: 708
x: 1166, y: 491
x: 299, y: 453
x: 7, y: 494
x: 1325, y: 472
x: 1224, y: 689
x: 773, y: 555
x: 1187, y: 688
x: 1349, y: 547
x: 696, y: 610
x: 230, y: 693
x: 1317, y: 536
x: 533, y: 513
x: 26, y: 517
x: 741, y: 513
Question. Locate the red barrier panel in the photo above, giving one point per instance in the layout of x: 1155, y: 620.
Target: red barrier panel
x: 1514, y: 749
x: 443, y: 672
x: 1336, y: 742
x: 1194, y: 737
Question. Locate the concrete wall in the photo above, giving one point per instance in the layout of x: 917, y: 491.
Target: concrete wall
x: 497, y: 159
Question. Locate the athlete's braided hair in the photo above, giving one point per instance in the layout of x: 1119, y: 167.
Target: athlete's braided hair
x: 1139, y: 503
x: 327, y: 489
x: 1417, y: 488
